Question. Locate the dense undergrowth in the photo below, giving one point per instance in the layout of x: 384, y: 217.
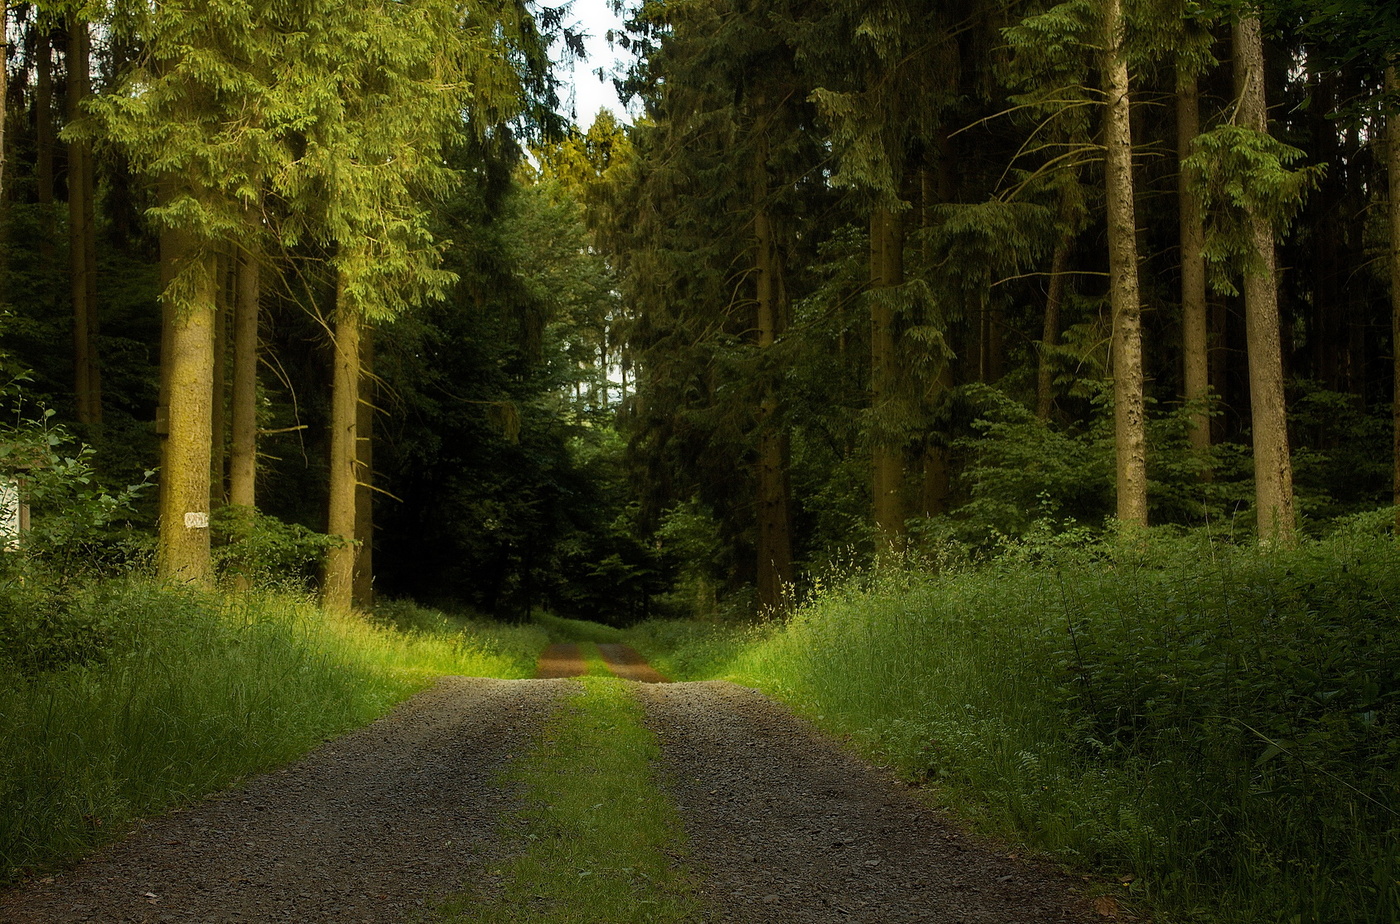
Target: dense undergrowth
x: 1214, y: 727
x: 121, y: 698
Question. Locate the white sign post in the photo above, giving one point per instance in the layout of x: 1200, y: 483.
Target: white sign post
x: 10, y: 521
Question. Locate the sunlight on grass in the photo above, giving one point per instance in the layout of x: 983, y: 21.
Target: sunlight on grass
x: 599, y: 842
x: 191, y: 692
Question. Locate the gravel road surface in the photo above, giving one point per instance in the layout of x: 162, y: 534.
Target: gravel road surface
x: 375, y: 827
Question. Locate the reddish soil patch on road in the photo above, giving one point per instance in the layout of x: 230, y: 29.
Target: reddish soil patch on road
x: 562, y: 659
x: 627, y: 664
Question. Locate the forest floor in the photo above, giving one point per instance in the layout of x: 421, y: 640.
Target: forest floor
x: 383, y: 824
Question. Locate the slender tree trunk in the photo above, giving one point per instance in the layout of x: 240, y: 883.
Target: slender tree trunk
x: 1130, y: 432
x: 936, y: 488
x: 337, y: 591
x: 1273, y: 467
x: 218, y: 413
x: 243, y: 410
x: 886, y: 272
x: 774, y: 517
x: 363, y: 591
x: 1194, y: 312
x: 1392, y: 134
x: 82, y: 236
x: 4, y: 90
x: 1050, y: 330
x: 994, y: 334
x: 183, y: 541
x: 44, y: 144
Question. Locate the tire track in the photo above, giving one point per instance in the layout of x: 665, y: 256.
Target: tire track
x: 372, y: 828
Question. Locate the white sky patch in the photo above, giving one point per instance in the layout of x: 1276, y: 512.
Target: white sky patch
x: 583, y: 92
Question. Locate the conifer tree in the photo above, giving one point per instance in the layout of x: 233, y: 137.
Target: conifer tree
x: 1392, y: 126
x: 178, y: 114
x: 1194, y: 309
x: 374, y: 130
x: 1129, y: 415
x: 82, y: 231
x: 1273, y: 468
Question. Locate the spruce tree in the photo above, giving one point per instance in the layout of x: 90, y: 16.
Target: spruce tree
x: 1273, y: 468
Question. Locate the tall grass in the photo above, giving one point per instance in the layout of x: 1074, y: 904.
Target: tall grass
x: 1214, y: 726
x: 177, y: 693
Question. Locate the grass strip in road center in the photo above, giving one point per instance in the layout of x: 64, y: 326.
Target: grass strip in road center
x: 602, y: 844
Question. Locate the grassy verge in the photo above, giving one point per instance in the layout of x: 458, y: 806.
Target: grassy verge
x: 600, y: 843
x: 136, y: 698
x: 563, y: 629
x: 1217, y: 728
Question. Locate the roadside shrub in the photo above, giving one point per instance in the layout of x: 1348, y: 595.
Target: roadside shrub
x: 262, y: 550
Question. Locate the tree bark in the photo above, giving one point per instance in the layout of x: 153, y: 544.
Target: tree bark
x: 183, y: 541
x: 1392, y: 135
x: 218, y: 412
x: 1050, y: 330
x: 774, y: 516
x: 363, y: 591
x: 1195, y: 323
x: 82, y: 236
x: 937, y: 476
x: 338, y: 588
x: 4, y: 95
x: 886, y: 272
x: 1273, y: 468
x: 1129, y: 419
x: 44, y: 143
x: 243, y: 410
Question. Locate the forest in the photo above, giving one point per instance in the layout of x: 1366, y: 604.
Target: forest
x: 1092, y: 303
x: 862, y: 278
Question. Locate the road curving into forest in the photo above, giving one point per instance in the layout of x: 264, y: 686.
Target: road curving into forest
x: 380, y: 825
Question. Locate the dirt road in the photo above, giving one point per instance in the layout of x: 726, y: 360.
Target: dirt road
x: 784, y: 827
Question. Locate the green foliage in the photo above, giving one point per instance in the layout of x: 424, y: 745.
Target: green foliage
x: 78, y: 520
x: 563, y: 629
x: 252, y: 546
x: 44, y: 626
x: 1022, y: 469
x: 1241, y: 173
x: 1214, y: 725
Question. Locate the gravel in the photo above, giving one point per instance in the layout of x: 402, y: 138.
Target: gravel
x: 378, y: 826
x: 372, y: 828
x: 786, y: 827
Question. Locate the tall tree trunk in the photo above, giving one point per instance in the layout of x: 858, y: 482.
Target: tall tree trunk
x: 338, y: 588
x: 1273, y: 467
x: 1195, y: 323
x: 4, y: 91
x: 774, y: 516
x: 188, y: 338
x: 1392, y: 136
x: 82, y: 236
x: 1050, y: 330
x: 1129, y: 419
x: 218, y: 426
x: 886, y: 272
x: 44, y: 143
x: 937, y: 476
x: 363, y: 591
x: 243, y: 403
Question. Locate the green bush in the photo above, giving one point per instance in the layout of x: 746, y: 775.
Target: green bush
x: 263, y: 550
